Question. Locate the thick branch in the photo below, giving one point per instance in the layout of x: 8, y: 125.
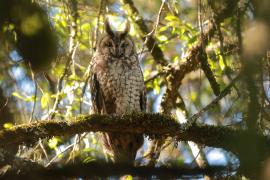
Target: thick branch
x: 177, y: 74
x: 102, y: 170
x: 237, y: 141
x: 161, y: 125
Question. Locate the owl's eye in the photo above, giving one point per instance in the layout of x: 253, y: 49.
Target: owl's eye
x: 108, y: 44
x: 123, y: 45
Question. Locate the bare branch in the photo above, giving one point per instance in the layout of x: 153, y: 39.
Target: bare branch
x: 151, y: 43
x: 225, y: 92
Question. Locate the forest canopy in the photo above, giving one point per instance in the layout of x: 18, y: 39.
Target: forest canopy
x: 206, y: 70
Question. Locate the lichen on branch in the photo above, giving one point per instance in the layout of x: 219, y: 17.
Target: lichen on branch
x: 161, y: 126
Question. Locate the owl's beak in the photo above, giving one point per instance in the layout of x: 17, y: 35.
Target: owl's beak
x: 118, y: 53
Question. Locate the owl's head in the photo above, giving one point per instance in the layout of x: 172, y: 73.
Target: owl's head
x: 116, y: 44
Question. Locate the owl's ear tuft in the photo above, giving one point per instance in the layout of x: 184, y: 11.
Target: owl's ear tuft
x: 108, y: 28
x: 126, y: 30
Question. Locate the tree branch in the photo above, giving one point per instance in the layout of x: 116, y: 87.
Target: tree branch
x: 223, y: 93
x: 151, y: 43
x: 175, y: 75
x: 235, y: 140
x: 208, y: 73
x: 30, y: 170
x: 161, y: 125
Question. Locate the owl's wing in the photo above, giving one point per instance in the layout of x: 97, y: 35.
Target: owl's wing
x: 96, y: 95
x: 143, y: 100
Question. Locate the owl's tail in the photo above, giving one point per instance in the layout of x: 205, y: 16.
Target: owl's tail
x: 123, y: 146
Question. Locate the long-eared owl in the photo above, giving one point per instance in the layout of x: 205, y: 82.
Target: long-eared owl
x: 117, y: 87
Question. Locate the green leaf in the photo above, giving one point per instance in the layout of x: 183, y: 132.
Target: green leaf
x: 193, y: 96
x: 86, y: 27
x: 88, y: 159
x: 26, y: 99
x: 164, y: 28
x: 53, y: 142
x: 221, y: 62
x: 58, y: 70
x: 128, y: 177
x: 29, y: 99
x: 89, y: 150
x: 45, y: 100
x: 156, y: 86
x: 8, y: 125
x: 74, y: 77
x: 171, y: 18
x: 162, y: 38
x: 16, y: 94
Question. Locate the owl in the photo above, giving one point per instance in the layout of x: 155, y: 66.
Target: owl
x: 117, y: 87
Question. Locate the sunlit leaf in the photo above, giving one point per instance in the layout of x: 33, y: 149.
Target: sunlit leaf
x: 89, y: 150
x: 221, y: 62
x: 193, y: 96
x: 85, y: 27
x: 156, y: 86
x: 53, y: 142
x: 8, y: 125
x: 128, y: 177
x: 58, y: 70
x: 45, y: 99
x: 89, y: 159
x: 75, y: 77
x: 29, y: 99
x: 162, y: 38
x: 171, y: 18
x: 16, y: 94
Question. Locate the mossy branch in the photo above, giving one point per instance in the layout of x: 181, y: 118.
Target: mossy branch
x: 237, y: 141
x: 101, y: 169
x: 161, y: 125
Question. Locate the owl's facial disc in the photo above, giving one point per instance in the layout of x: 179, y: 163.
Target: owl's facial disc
x: 116, y: 44
x: 121, y: 46
x: 106, y: 46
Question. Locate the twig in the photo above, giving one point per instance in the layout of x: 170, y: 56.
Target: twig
x: 98, y: 21
x: 151, y: 42
x: 88, y: 73
x: 70, y: 58
x: 225, y: 92
x: 157, y: 20
x: 177, y: 73
x: 77, y: 139
x: 155, y: 148
x: 4, y: 105
x: 154, y: 77
x: 43, y: 149
x: 35, y: 96
x: 56, y: 156
x: 66, y: 149
x: 152, y: 33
